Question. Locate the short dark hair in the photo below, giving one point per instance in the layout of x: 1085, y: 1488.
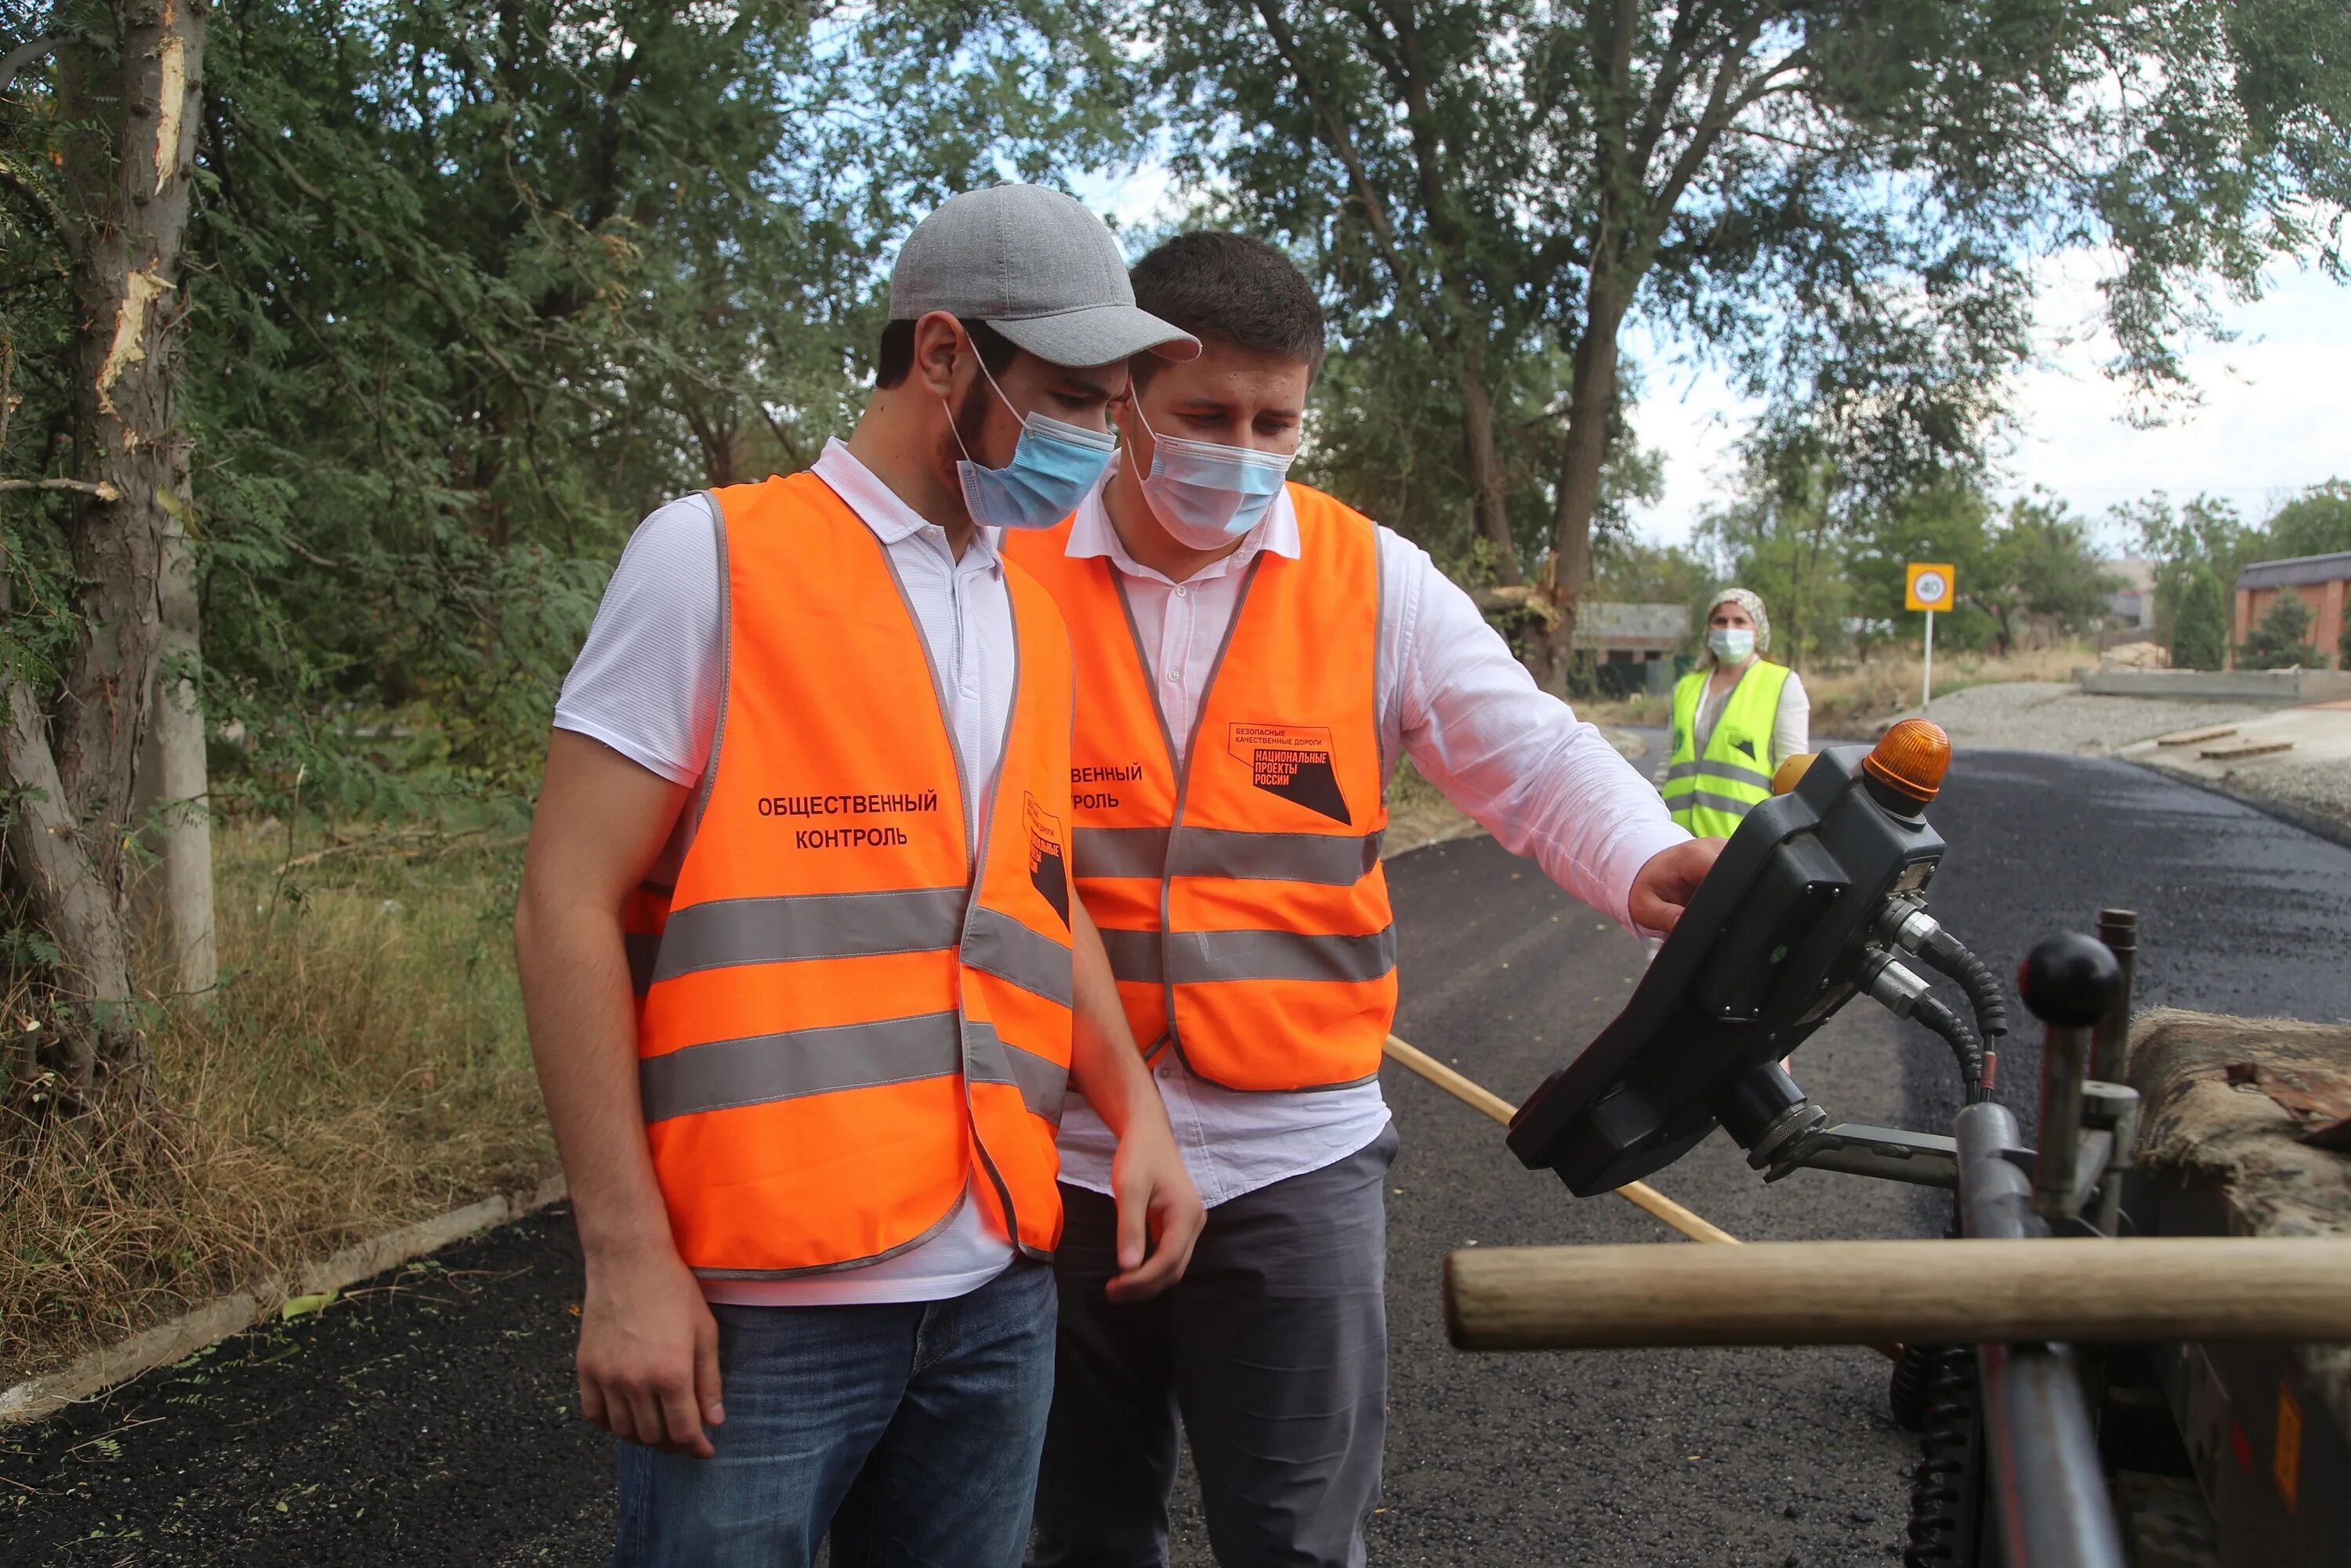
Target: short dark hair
x: 1233, y: 289
x: 896, y: 359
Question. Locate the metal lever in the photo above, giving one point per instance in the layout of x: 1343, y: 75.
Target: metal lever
x: 2070, y: 982
x: 1890, y: 1154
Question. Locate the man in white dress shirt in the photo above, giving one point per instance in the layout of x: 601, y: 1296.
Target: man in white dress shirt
x: 1228, y: 844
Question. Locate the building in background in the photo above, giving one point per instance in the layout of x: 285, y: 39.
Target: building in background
x: 1644, y: 637
x: 2131, y: 606
x: 2322, y: 581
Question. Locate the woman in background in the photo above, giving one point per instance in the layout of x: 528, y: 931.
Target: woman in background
x: 1736, y: 719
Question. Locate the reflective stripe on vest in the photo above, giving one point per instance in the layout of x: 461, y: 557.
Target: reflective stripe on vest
x: 839, y: 1025
x: 1334, y: 861
x: 1240, y: 896
x: 1711, y: 795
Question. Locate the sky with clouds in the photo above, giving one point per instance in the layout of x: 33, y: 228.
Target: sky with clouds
x: 2273, y: 413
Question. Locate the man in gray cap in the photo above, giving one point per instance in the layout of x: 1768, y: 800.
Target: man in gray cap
x: 804, y: 974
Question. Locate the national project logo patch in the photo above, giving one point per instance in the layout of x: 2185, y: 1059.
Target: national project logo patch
x: 1049, y: 865
x: 1293, y: 761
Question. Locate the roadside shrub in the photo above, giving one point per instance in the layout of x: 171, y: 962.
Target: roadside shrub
x: 2280, y: 640
x: 2199, y: 632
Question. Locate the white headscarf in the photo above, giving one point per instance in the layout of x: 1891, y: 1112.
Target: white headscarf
x: 1754, y: 608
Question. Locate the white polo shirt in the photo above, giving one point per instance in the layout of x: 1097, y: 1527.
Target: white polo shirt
x: 648, y: 685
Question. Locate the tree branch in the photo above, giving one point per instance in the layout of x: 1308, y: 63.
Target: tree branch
x: 39, y: 200
x: 1721, y: 108
x: 100, y: 488
x: 398, y: 256
x: 1405, y: 73
x: 1690, y: 22
x: 23, y: 55
x: 1343, y: 144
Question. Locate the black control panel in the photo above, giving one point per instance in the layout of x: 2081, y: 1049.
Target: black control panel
x: 1766, y: 951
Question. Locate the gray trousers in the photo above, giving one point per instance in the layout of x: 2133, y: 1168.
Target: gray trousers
x: 1273, y: 1350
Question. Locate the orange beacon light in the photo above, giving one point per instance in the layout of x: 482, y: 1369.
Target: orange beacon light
x: 1911, y: 759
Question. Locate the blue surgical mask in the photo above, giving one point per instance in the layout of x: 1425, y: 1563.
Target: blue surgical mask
x: 1206, y: 495
x: 1732, y: 645
x: 1051, y: 469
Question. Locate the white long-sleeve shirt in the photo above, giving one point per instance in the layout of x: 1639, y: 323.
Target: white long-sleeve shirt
x: 1451, y: 697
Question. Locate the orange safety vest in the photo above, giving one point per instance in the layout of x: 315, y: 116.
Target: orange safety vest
x: 838, y: 1023
x: 1240, y: 896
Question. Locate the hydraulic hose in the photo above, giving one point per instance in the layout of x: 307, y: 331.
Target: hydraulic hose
x: 1907, y: 995
x: 1948, y: 954
x: 1962, y: 1040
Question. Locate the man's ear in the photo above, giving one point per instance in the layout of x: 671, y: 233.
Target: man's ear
x: 941, y: 346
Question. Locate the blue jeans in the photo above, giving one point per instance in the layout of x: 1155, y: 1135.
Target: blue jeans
x: 911, y: 1430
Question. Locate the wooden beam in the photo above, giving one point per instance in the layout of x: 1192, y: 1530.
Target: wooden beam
x: 1934, y: 1292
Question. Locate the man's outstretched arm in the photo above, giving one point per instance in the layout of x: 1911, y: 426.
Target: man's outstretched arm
x: 1542, y: 780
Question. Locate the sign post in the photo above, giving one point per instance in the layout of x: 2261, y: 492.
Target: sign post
x: 1930, y: 586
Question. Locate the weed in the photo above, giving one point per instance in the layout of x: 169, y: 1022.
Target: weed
x: 363, y: 1066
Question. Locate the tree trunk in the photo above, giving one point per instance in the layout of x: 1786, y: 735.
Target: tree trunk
x: 69, y: 900
x: 173, y: 783
x: 1488, y: 497
x: 128, y: 86
x: 1592, y: 398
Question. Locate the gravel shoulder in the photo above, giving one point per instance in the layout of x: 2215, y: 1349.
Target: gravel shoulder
x: 2310, y: 785
x: 2319, y: 791
x: 2057, y: 715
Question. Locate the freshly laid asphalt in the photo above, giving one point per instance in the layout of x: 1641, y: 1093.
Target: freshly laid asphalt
x: 426, y: 1417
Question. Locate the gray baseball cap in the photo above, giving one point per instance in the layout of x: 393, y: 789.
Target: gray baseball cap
x: 1039, y: 269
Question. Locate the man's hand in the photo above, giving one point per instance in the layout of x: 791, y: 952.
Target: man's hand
x: 1664, y: 887
x: 1159, y: 1210
x: 649, y: 1353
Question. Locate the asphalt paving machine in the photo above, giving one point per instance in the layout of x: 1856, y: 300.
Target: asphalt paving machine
x: 2111, y: 1360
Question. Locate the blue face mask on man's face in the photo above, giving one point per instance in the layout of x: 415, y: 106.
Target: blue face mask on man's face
x: 1051, y: 469
x: 1204, y: 494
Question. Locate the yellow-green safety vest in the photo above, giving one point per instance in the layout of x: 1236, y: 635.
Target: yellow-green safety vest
x: 1710, y: 794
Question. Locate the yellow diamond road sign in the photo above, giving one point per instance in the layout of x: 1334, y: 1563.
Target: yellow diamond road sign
x: 1932, y: 586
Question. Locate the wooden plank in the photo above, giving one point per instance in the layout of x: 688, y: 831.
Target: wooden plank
x: 1639, y: 1194
x: 2244, y: 748
x: 2191, y: 736
x: 1934, y: 1292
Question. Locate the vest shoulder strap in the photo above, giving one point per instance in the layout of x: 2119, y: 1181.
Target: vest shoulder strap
x: 794, y: 515
x: 1325, y: 522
